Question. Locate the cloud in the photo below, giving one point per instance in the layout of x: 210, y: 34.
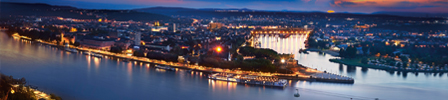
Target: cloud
x: 365, y: 6
x: 378, y: 5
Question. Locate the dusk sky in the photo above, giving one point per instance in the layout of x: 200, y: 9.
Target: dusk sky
x: 363, y: 6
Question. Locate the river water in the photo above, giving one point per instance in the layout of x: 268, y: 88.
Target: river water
x: 74, y: 76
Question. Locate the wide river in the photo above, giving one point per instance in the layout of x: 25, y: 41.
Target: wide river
x: 79, y: 77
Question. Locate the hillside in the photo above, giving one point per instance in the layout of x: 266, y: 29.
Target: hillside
x: 221, y: 13
x: 26, y: 9
x: 413, y: 14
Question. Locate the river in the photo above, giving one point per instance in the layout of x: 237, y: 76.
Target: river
x: 74, y: 76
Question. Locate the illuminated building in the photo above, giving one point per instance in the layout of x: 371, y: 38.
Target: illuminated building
x: 73, y: 30
x: 174, y: 27
x: 159, y: 29
x: 98, y: 43
x: 67, y: 38
x: 214, y: 26
x: 157, y: 23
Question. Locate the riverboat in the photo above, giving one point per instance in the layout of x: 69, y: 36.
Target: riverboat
x: 97, y: 55
x: 71, y: 50
x: 249, y: 79
x: 164, y: 67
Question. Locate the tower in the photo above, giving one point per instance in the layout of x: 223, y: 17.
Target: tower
x: 137, y: 38
x: 174, y: 27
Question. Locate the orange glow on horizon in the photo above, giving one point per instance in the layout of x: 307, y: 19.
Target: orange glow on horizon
x: 330, y: 11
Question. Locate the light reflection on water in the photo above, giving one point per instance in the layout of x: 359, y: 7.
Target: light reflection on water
x: 430, y: 82
x: 69, y: 76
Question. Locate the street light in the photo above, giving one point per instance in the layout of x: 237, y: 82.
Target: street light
x: 12, y: 91
x: 218, y: 49
x: 283, y: 60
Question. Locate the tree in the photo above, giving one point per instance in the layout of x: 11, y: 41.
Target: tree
x: 350, y: 52
x: 342, y: 53
x: 312, y: 42
x: 138, y: 53
x: 398, y: 64
x: 239, y: 58
x: 115, y: 49
x: 365, y: 50
x: 404, y: 59
x: 76, y: 44
x: 392, y: 63
x: 364, y: 60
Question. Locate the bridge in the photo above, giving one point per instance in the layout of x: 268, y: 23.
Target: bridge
x: 281, y: 31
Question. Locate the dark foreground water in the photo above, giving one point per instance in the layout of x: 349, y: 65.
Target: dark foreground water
x: 79, y: 77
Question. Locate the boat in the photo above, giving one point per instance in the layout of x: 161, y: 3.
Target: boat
x: 86, y: 53
x: 297, y: 94
x: 71, y: 50
x: 97, y: 55
x: 165, y: 67
x: 221, y: 76
x: 249, y: 79
x: 190, y: 70
x: 126, y: 60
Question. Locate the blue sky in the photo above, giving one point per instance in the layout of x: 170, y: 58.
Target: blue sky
x: 362, y: 6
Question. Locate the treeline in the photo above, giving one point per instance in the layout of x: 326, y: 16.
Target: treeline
x: 257, y: 64
x: 159, y: 56
x: 259, y: 53
x: 262, y: 60
x: 313, y: 43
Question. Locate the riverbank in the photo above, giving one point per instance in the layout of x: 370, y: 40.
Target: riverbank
x: 148, y: 62
x: 357, y: 62
x: 18, y: 90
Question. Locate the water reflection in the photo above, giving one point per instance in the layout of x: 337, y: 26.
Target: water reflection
x: 405, y: 74
x: 133, y: 85
x: 96, y: 61
x: 88, y: 63
x: 341, y: 67
x: 364, y: 70
x: 351, y: 69
x: 218, y: 85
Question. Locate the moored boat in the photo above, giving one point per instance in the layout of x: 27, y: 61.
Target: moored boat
x: 97, y: 55
x: 249, y: 79
x: 165, y: 67
x: 71, y: 50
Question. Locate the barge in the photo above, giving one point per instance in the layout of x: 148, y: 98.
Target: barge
x: 249, y: 79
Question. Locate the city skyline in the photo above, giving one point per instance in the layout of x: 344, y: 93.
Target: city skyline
x: 351, y: 6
